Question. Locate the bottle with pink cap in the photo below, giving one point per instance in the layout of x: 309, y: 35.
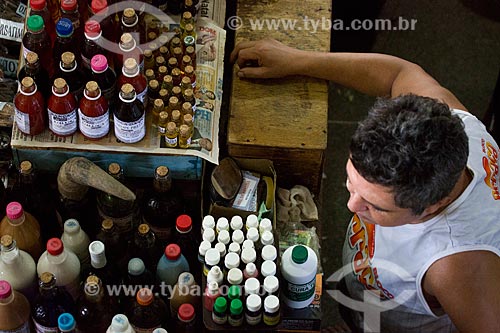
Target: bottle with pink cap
x: 105, y: 78
x: 91, y: 44
x: 63, y: 263
x: 14, y: 310
x: 24, y: 228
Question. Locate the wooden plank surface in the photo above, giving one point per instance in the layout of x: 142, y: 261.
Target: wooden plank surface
x: 284, y: 113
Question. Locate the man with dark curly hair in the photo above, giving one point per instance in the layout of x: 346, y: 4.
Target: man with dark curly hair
x: 423, y: 182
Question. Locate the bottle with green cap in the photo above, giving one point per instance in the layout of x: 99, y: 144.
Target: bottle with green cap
x: 37, y: 40
x: 235, y: 313
x: 66, y: 323
x: 234, y: 292
x: 219, y: 314
x: 298, y: 267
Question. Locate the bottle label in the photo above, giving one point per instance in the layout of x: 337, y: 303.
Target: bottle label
x: 299, y: 292
x: 171, y: 142
x: 43, y: 329
x: 123, y: 224
x: 271, y: 319
x: 144, y: 330
x: 24, y: 328
x: 94, y: 127
x: 142, y: 95
x: 22, y: 120
x: 130, y: 132
x: 62, y: 124
x: 253, y: 320
x: 238, y: 321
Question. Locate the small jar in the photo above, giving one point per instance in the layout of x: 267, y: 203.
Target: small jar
x: 202, y: 250
x: 222, y: 224
x: 253, y: 312
x: 234, y: 276
x: 252, y: 221
x: 271, y: 285
x: 253, y: 234
x: 234, y: 248
x: 265, y: 225
x: 209, y: 235
x: 271, y: 311
x: 238, y: 236
x: 268, y: 268
x: 250, y: 271
x: 215, y: 275
x: 224, y: 237
x: 236, y: 223
x: 267, y: 238
x: 269, y: 252
x: 252, y: 286
x: 221, y: 248
x: 235, y: 313
x: 248, y: 255
x: 247, y: 243
x: 207, y: 223
x: 212, y: 258
x: 219, y: 315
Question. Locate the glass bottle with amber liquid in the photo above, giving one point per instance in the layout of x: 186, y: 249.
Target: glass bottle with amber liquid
x: 184, y: 137
x: 162, y: 205
x: 75, y: 76
x: 145, y: 247
x: 130, y: 23
x: 131, y: 74
x: 130, y: 117
x: 171, y: 135
x: 158, y: 107
x: 29, y: 106
x: 39, y: 74
x: 163, y: 120
x: 93, y: 114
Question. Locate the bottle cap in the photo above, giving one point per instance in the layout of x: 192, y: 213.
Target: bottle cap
x: 234, y: 276
x: 145, y: 296
x: 220, y: 305
x: 232, y: 260
x: 47, y: 278
x: 271, y: 304
x: 186, y: 279
x: 268, y: 268
x: 209, y: 235
x: 265, y: 224
x: 212, y: 257
x: 299, y: 254
x: 26, y: 167
x: 236, y: 307
x: 130, y: 67
x: 186, y: 81
x: 68, y: 59
x: 98, y: 5
x: 236, y: 222
x: 248, y: 255
x: 55, y: 246
x: 252, y: 221
x: 35, y: 23
x: 38, y: 4
x: 160, y: 330
x: 204, y: 247
x: 114, y: 168
x: 234, y: 248
x: 221, y: 247
x: 186, y: 312
x: 187, y: 15
x: 127, y: 42
x: 99, y: 63
x: 93, y: 279
x: 68, y: 5
x: 128, y: 12
x: 119, y: 323
x: 253, y: 234
x: 97, y: 254
x: 271, y: 284
x: 161, y: 171
x: 252, y: 286
x: 234, y: 292
x: 172, y: 252
x: 247, y: 243
x: 92, y: 28
x: 184, y: 223
x: 136, y: 266
x: 31, y: 58
x: 238, y: 236
x: 143, y: 228
x: 254, y: 302
x: 222, y: 224
x: 224, y: 237
x: 14, y: 209
x: 5, y: 289
x: 267, y: 238
x: 215, y: 272
x: 269, y: 253
x: 250, y: 268
x: 64, y: 27
x: 66, y: 322
x: 158, y: 103
x: 71, y: 226
x: 107, y: 224
x: 213, y: 287
x: 6, y: 240
x: 91, y: 86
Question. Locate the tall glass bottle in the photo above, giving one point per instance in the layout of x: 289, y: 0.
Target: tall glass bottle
x: 116, y: 247
x: 93, y: 114
x: 130, y: 23
x: 51, y: 302
x: 69, y: 10
x: 39, y: 74
x: 24, y: 228
x: 129, y: 117
x: 29, y: 108
x: 145, y: 246
x: 61, y: 108
x: 162, y: 205
x: 91, y: 44
x: 39, y: 7
x: 105, y: 78
x: 131, y: 74
x: 123, y: 213
x: 147, y: 312
x: 14, y: 310
x: 106, y: 270
x: 127, y: 48
x: 17, y: 267
x: 65, y: 41
x: 37, y: 40
x: 185, y: 238
x: 74, y: 74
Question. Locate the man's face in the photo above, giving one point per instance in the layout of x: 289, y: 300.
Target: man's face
x: 374, y: 203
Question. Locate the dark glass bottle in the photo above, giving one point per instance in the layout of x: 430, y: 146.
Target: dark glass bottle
x: 191, y: 6
x: 70, y: 10
x: 123, y: 213
x: 106, y: 270
x: 74, y: 74
x: 94, y: 308
x: 39, y: 7
x: 37, y: 40
x: 130, y: 23
x: 129, y: 117
x: 127, y: 48
x: 65, y: 41
x: 131, y: 74
x: 51, y: 302
x: 186, y: 319
x: 162, y: 205
x: 30, y: 114
x: 145, y: 246
x: 147, y: 312
x: 39, y: 74
x: 105, y: 78
x: 93, y: 114
x: 91, y: 44
x: 116, y: 247
x: 99, y: 10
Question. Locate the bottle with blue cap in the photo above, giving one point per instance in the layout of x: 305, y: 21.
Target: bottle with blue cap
x: 65, y: 42
x: 66, y: 323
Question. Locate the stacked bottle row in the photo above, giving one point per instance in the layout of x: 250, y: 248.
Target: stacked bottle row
x: 239, y: 263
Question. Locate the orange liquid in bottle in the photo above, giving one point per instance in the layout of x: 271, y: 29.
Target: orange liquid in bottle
x: 29, y: 108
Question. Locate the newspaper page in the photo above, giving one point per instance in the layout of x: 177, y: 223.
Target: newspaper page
x: 205, y: 141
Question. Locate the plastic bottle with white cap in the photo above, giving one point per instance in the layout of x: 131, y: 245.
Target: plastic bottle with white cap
x: 76, y: 240
x: 265, y: 225
x: 267, y: 238
x: 207, y: 223
x: 271, y: 285
x: 120, y: 324
x: 222, y: 224
x: 212, y: 258
x: 234, y: 248
x: 253, y: 311
x: 202, y: 250
x: 269, y: 252
x: 221, y: 248
x: 238, y: 236
x: 247, y: 243
x: 215, y: 274
x: 236, y: 222
x: 209, y: 235
x: 268, y: 268
x: 252, y: 286
x: 253, y: 234
x: 224, y: 237
x: 271, y: 315
x: 252, y: 221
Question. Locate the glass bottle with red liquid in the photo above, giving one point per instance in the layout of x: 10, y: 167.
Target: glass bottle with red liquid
x: 130, y: 23
x: 29, y: 108
x: 127, y: 48
x: 65, y: 41
x: 61, y: 108
x: 75, y: 76
x: 33, y: 69
x: 105, y: 78
x: 93, y: 114
x: 70, y: 10
x: 131, y: 74
x: 98, y: 10
x: 37, y: 40
x: 91, y: 43
x: 129, y: 117
x: 39, y: 7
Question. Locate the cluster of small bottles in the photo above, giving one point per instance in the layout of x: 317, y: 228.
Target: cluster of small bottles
x: 242, y: 286
x: 87, y: 94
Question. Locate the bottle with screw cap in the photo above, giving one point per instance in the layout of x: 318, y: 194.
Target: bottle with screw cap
x: 185, y: 238
x: 66, y: 323
x: 265, y: 225
x: 224, y: 237
x: 238, y: 236
x: 39, y: 7
x: 138, y: 274
x: 234, y: 277
x: 271, y: 285
x: 100, y: 266
x: 234, y: 248
x: 253, y: 234
x: 253, y: 312
x: 232, y: 260
x: 215, y: 275
x: 266, y: 238
x: 248, y: 255
x: 202, y: 250
x: 221, y: 248
x: 37, y: 40
x: 148, y: 312
x: 186, y: 319
x: 251, y: 221
x: 91, y: 44
x: 268, y: 268
x: 269, y: 252
x: 235, y: 318
x: 120, y: 324
x: 212, y: 292
x: 247, y: 243
x: 222, y: 224
x: 171, y: 265
x: 252, y: 286
x: 65, y: 40
x: 29, y: 108
x: 219, y: 312
x: 105, y: 78
x: 212, y: 258
x: 207, y: 223
x: 93, y: 114
x: 185, y: 291
x: 271, y: 315
x: 234, y: 292
x: 209, y: 235
x: 76, y: 240
x: 250, y: 271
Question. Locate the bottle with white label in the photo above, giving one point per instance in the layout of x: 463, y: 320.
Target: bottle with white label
x: 61, y: 108
x: 129, y: 117
x: 76, y: 240
x: 93, y: 114
x: 14, y: 310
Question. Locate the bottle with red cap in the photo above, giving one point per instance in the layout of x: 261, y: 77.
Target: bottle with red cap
x: 14, y: 310
x: 92, y: 43
x: 29, y: 108
x: 63, y: 263
x: 61, y: 108
x: 24, y: 228
x: 186, y: 319
x: 171, y: 265
x: 147, y: 312
x: 105, y: 78
x: 185, y: 291
x: 65, y: 41
x: 132, y: 74
x: 37, y: 40
x: 93, y: 114
x: 184, y: 236
x: 70, y: 10
x: 39, y: 7
x: 98, y: 10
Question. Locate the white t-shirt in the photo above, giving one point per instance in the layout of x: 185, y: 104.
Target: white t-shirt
x: 393, y: 260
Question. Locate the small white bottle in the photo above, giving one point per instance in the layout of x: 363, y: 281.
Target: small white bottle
x: 234, y: 276
x: 268, y: 268
x: 266, y: 238
x: 265, y: 225
x: 252, y: 221
x: 160, y: 330
x: 212, y: 258
x: 222, y: 224
x: 253, y: 234
x: 248, y: 255
x: 247, y: 243
x: 221, y: 248
x: 234, y: 248
x: 215, y: 274
x: 236, y: 222
x: 63, y: 263
x: 252, y: 286
x: 76, y: 240
x: 224, y: 237
x: 238, y: 237
x: 120, y: 324
x: 299, y: 264
x: 209, y: 235
x: 269, y: 252
x: 232, y: 260
x: 207, y: 223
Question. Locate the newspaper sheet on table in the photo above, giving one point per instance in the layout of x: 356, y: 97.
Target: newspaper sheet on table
x: 205, y: 144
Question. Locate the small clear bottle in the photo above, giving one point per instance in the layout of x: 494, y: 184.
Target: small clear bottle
x: 37, y: 72
x: 171, y: 135
x: 163, y: 120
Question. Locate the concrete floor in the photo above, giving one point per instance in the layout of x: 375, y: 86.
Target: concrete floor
x: 457, y: 42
